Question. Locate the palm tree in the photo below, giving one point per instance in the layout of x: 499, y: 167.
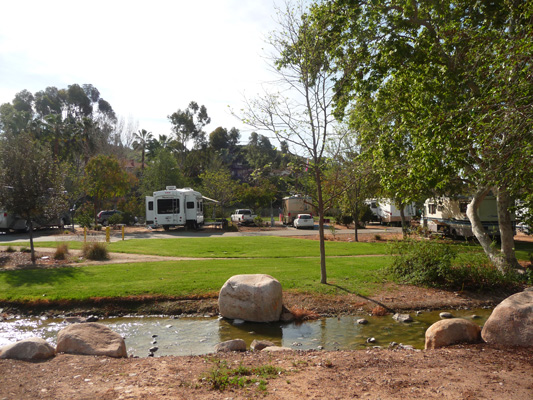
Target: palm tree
x: 142, y: 138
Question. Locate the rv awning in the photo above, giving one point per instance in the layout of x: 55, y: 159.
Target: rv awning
x: 211, y: 200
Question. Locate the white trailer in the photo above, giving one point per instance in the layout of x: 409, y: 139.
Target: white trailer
x: 9, y: 221
x: 447, y: 216
x: 13, y: 222
x: 386, y: 212
x: 175, y: 207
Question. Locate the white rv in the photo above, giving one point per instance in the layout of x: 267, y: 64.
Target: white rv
x: 175, y: 207
x: 448, y: 216
x: 386, y: 212
x: 10, y: 221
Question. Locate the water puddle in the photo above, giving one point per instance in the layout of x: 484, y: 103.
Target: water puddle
x: 196, y: 336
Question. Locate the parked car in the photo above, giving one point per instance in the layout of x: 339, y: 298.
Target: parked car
x: 304, y: 221
x: 103, y: 216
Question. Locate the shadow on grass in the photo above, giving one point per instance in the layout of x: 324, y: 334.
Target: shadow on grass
x: 30, y: 277
x: 363, y: 297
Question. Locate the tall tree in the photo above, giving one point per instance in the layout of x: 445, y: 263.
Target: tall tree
x: 188, y: 124
x: 105, y: 179
x: 452, y: 83
x: 299, y: 111
x: 31, y: 181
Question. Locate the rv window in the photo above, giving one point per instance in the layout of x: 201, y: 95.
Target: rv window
x: 190, y: 204
x: 151, y: 206
x: 462, y: 206
x: 199, y: 206
x: 432, y: 209
x: 440, y: 208
x: 166, y: 206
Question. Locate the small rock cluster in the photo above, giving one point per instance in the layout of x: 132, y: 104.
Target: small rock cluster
x: 240, y: 345
x: 89, y: 338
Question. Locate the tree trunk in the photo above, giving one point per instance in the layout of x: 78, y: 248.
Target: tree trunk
x: 479, y: 232
x: 356, y: 220
x: 402, y: 219
x: 32, y: 248
x: 506, y: 229
x: 323, y: 275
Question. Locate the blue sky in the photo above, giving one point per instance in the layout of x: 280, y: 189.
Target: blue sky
x: 147, y: 59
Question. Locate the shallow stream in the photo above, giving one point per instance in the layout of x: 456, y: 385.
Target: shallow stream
x: 196, y: 336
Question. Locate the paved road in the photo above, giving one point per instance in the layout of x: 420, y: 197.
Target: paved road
x: 51, y: 235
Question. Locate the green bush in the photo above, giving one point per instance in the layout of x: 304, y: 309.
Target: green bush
x: 438, y: 264
x: 96, y: 251
x: 422, y: 262
x: 116, y: 219
x: 85, y: 215
x: 344, y: 219
x: 258, y: 221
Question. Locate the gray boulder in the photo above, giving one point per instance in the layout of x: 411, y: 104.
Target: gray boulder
x: 28, y: 349
x: 452, y: 331
x: 231, y: 345
x: 90, y: 338
x: 258, y: 345
x: 511, y: 322
x: 402, y: 317
x: 256, y: 298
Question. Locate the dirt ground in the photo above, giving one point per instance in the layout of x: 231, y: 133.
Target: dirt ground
x: 458, y: 372
x: 477, y: 371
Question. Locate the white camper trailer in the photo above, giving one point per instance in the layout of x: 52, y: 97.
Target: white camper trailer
x: 175, y: 207
x: 447, y: 216
x: 386, y: 212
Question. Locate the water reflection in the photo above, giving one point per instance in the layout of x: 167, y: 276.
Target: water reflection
x: 195, y: 336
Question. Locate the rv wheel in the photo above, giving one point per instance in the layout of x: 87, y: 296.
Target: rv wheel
x: 166, y: 227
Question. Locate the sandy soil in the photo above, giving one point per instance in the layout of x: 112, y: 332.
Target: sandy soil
x: 458, y: 372
x: 476, y: 371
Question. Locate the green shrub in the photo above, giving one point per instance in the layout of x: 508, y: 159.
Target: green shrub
x: 85, y: 215
x: 61, y: 251
x: 438, y: 264
x: 128, y: 218
x: 10, y: 249
x: 344, y: 219
x: 422, y: 262
x: 258, y: 221
x: 96, y: 251
x: 116, y: 219
x: 231, y: 228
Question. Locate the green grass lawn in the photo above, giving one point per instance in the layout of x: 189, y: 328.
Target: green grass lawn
x: 233, y: 247
x: 186, y: 278
x: 294, y: 262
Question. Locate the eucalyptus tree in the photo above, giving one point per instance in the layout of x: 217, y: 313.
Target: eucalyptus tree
x: 297, y: 110
x: 448, y: 82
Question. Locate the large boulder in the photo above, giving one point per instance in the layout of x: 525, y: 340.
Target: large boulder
x: 511, y: 322
x: 90, y: 338
x: 256, y: 298
x: 28, y: 349
x: 452, y: 331
x: 231, y: 345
